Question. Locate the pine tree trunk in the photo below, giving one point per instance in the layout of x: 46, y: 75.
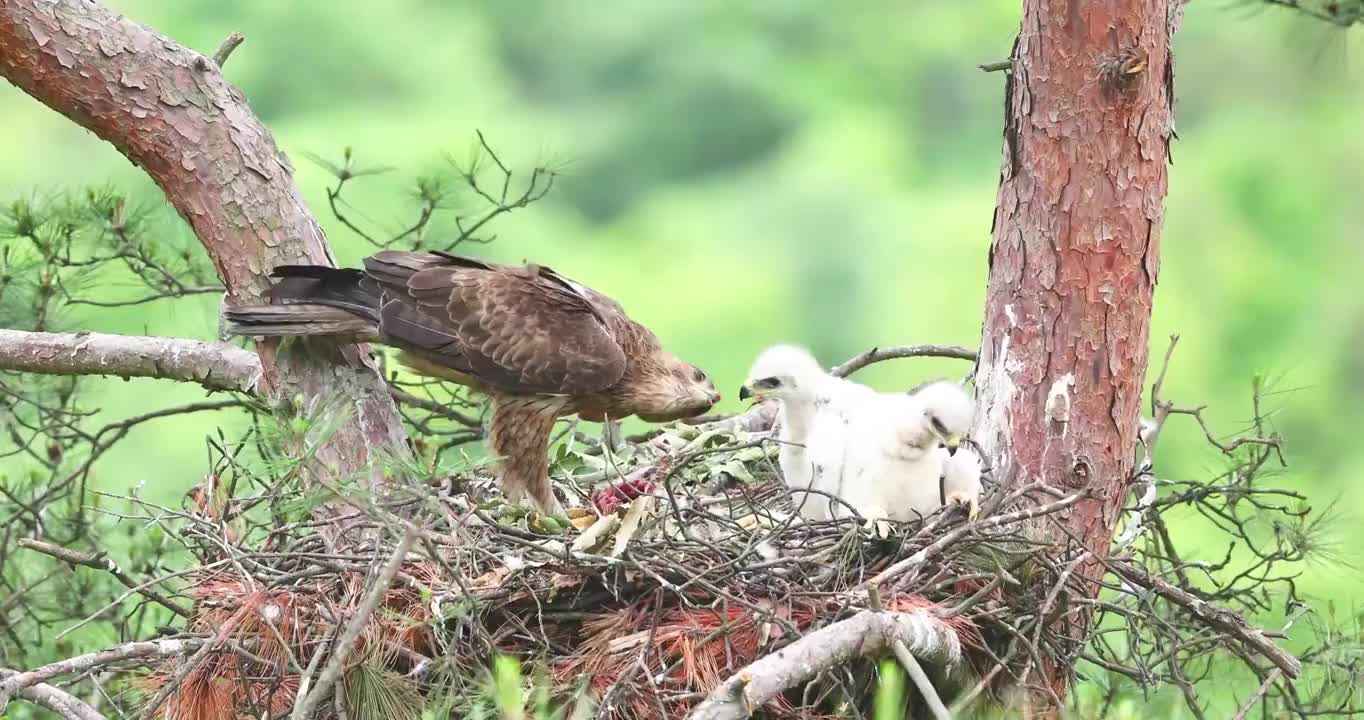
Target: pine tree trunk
x: 171, y: 112
x: 1073, y: 264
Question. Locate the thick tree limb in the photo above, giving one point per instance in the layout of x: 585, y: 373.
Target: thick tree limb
x: 55, y: 699
x: 81, y: 663
x: 171, y: 112
x: 217, y: 366
x: 867, y: 633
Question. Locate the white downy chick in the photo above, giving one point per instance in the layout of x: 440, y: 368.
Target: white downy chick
x: 813, y: 404
x: 895, y: 464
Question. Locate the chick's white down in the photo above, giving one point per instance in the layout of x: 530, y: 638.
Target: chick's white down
x: 791, y: 376
x: 877, y: 452
x: 880, y: 453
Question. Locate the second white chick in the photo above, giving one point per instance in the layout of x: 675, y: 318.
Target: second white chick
x: 887, y: 461
x: 897, y: 459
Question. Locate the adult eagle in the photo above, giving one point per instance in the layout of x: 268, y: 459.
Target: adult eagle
x: 539, y: 344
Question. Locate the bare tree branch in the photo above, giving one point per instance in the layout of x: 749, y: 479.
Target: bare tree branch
x: 876, y: 355
x: 89, y: 661
x: 100, y: 561
x: 865, y: 634
x: 229, y: 45
x: 1269, y: 681
x: 1220, y: 618
x: 57, y: 700
x: 921, y: 681
x: 217, y: 366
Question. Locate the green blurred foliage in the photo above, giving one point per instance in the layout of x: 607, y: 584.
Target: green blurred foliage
x: 741, y: 174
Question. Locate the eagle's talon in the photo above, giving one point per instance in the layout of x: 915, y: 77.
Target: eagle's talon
x: 960, y: 498
x: 878, y: 525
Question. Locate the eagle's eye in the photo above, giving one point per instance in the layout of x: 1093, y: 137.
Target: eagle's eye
x: 699, y: 375
x: 767, y: 383
x: 938, y: 426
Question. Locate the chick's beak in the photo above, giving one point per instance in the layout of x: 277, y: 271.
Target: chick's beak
x: 952, y: 442
x: 745, y: 393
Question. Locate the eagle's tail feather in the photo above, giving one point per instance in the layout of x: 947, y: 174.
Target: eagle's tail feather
x: 311, y: 300
x: 296, y: 319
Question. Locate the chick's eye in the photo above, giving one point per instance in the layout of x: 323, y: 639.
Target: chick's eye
x: 767, y: 383
x: 699, y: 375
x: 938, y: 426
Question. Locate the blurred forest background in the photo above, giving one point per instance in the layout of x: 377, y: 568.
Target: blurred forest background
x: 791, y: 171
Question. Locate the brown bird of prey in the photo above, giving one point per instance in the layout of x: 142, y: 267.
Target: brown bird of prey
x: 540, y: 345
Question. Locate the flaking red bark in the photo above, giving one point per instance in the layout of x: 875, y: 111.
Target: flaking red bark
x: 171, y: 112
x: 1074, y: 258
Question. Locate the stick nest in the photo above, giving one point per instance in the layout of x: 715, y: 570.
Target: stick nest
x: 686, y: 568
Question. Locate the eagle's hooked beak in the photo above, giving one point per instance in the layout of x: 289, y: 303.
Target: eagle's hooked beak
x: 952, y: 442
x: 745, y: 393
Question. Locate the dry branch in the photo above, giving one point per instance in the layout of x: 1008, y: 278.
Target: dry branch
x: 101, y: 561
x: 82, y: 663
x: 921, y: 681
x: 217, y: 366
x: 227, y: 48
x: 1221, y: 619
x: 876, y: 355
x: 867, y: 633
x: 336, y: 666
x: 955, y: 535
x: 1269, y: 681
x: 55, y: 699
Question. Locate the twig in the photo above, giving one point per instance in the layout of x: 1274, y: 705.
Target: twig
x: 1270, y: 679
x: 173, y: 683
x: 346, y: 643
x: 921, y: 681
x: 225, y: 50
x: 1160, y: 379
x: 1223, y: 620
x: 980, y: 524
x: 876, y: 355
x: 431, y: 406
x: 55, y: 699
x: 997, y: 66
x: 100, y: 561
x: 154, y: 581
x: 1231, y: 447
x: 90, y: 661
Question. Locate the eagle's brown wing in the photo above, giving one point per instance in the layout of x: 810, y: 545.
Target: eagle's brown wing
x: 519, y: 330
